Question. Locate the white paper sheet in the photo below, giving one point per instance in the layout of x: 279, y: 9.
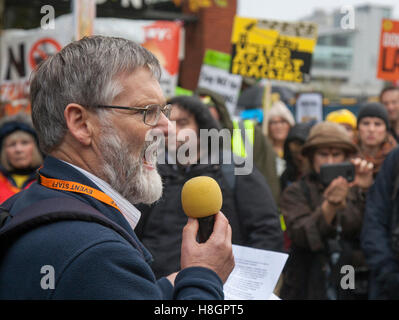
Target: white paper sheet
x: 255, y: 274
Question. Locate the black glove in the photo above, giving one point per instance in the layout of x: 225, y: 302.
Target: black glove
x: 389, y: 284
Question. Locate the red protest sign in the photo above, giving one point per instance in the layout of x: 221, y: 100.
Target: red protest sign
x: 41, y: 50
x: 388, y: 62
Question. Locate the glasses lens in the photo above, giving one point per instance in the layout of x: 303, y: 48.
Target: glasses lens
x: 152, y: 114
x: 166, y: 110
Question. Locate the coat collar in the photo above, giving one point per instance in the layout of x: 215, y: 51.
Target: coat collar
x: 54, y: 168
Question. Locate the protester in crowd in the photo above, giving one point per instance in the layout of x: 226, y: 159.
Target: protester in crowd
x: 380, y: 233
x: 94, y: 126
x: 20, y: 155
x: 296, y: 164
x: 374, y: 139
x: 264, y: 156
x: 321, y: 219
x: 345, y: 118
x: 247, y: 200
x: 280, y: 120
x: 389, y: 97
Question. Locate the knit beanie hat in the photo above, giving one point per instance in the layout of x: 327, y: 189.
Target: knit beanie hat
x: 18, y: 122
x: 375, y: 110
x: 279, y: 109
x: 343, y: 116
x: 330, y: 135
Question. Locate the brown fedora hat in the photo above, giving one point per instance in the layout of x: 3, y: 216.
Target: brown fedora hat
x: 331, y: 135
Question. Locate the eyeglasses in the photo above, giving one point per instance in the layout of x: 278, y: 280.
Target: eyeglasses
x: 150, y: 113
x: 276, y: 122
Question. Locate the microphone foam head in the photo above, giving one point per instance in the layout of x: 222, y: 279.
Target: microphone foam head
x: 201, y: 197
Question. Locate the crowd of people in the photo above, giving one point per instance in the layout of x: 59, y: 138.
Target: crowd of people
x: 88, y: 146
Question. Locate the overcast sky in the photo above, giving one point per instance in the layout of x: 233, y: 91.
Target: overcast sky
x: 290, y: 10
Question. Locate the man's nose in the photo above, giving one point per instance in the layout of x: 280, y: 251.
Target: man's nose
x: 167, y: 127
x: 163, y: 124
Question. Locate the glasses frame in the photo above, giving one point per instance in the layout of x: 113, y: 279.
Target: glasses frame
x: 164, y: 109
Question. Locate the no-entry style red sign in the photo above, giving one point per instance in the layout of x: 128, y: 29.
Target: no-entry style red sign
x: 41, y: 50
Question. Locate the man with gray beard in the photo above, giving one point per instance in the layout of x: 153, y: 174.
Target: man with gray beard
x: 247, y: 200
x: 127, y: 175
x: 93, y: 105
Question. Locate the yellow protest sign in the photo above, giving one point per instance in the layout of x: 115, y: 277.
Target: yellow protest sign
x: 272, y: 50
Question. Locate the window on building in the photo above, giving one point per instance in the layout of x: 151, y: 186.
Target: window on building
x: 322, y: 64
x: 340, y: 40
x: 323, y: 41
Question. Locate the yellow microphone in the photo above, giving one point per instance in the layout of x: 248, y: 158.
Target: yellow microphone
x: 201, y: 198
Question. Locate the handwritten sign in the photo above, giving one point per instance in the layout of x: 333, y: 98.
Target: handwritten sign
x: 273, y: 50
x: 214, y: 76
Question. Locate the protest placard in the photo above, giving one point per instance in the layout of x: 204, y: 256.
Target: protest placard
x: 273, y: 50
x: 388, y: 62
x: 21, y: 51
x: 214, y: 76
x: 309, y: 106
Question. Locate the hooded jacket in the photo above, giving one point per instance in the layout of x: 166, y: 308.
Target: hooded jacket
x: 90, y: 261
x: 299, y: 132
x: 264, y: 155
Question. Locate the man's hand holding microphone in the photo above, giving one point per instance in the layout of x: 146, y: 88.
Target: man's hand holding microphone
x: 202, y: 201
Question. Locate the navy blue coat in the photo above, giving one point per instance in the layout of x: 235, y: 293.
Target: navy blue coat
x: 375, y: 236
x: 90, y: 261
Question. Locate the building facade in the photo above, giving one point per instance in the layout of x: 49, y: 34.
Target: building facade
x: 346, y: 56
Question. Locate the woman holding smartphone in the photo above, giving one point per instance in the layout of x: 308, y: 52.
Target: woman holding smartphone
x: 324, y: 222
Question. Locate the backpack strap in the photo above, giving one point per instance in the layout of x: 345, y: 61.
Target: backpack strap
x: 3, y: 217
x: 5, y: 208
x: 53, y: 210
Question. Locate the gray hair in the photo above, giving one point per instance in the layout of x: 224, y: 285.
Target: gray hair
x: 85, y: 72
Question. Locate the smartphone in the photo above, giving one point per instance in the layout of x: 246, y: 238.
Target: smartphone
x: 328, y: 172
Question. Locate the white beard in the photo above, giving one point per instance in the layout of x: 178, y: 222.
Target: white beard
x: 125, y: 173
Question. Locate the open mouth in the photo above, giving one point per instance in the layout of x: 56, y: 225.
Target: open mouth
x: 148, y: 165
x: 150, y: 156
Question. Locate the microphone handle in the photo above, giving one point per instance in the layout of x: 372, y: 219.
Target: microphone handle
x: 205, y: 228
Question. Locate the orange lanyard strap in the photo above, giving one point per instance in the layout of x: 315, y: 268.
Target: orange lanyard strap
x: 72, y: 186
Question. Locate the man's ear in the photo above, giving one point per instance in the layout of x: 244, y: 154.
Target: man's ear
x: 78, y: 122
